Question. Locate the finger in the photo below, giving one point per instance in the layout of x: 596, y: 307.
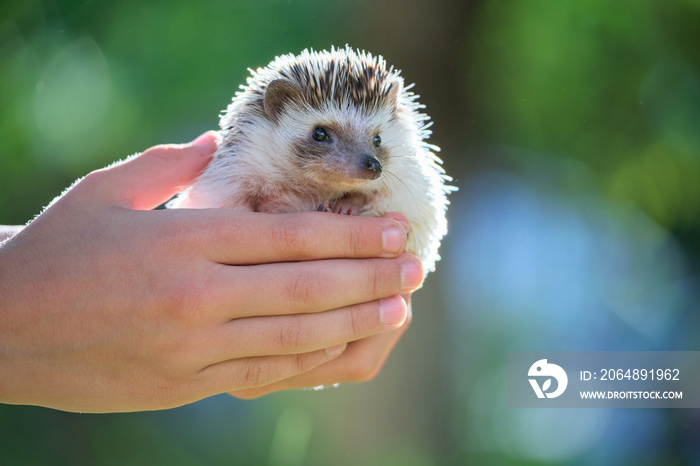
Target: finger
x: 312, y: 286
x: 302, y: 333
x: 399, y: 217
x: 230, y: 237
x: 149, y: 179
x: 361, y: 361
x: 259, y: 371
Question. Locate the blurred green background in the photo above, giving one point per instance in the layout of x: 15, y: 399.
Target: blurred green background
x: 572, y: 130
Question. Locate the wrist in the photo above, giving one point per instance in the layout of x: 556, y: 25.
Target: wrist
x: 13, y: 324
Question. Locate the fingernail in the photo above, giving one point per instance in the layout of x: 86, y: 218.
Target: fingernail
x: 400, y: 218
x: 205, y: 138
x: 392, y: 311
x: 411, y: 275
x: 337, y: 349
x: 404, y: 223
x: 394, y: 240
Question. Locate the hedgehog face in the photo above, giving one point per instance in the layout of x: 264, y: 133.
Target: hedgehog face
x: 333, y: 119
x: 339, y: 153
x: 337, y: 147
x: 338, y: 143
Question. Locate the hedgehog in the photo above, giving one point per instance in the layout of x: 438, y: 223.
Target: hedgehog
x: 334, y: 131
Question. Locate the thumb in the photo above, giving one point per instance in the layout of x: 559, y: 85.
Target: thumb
x: 147, y: 180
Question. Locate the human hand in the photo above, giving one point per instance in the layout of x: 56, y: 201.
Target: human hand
x: 109, y: 306
x: 360, y: 362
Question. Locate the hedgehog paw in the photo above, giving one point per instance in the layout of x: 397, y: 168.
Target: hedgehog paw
x: 345, y: 209
x: 325, y: 207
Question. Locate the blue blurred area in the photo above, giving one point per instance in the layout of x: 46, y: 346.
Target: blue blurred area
x: 572, y: 131
x: 574, y: 270
x: 538, y: 263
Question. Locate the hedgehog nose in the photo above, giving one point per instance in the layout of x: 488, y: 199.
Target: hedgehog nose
x: 372, y: 166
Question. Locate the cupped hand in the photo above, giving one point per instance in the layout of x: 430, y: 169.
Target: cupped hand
x: 108, y: 305
x: 360, y: 362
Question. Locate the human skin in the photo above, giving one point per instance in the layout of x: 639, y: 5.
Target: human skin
x: 108, y: 305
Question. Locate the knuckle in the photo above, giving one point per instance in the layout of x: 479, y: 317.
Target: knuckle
x: 355, y: 241
x: 89, y: 185
x: 375, y: 280
x: 184, y: 300
x: 291, y: 335
x: 161, y: 152
x: 169, y: 385
x: 292, y: 236
x: 175, y: 236
x: 177, y: 354
x: 304, y: 289
x: 257, y: 372
x: 91, y: 179
x: 176, y: 301
x: 178, y: 391
x: 356, y: 321
x: 304, y: 362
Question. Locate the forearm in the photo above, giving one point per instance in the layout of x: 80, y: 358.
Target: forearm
x: 8, y: 231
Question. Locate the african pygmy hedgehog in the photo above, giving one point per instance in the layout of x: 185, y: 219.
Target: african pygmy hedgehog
x: 332, y: 131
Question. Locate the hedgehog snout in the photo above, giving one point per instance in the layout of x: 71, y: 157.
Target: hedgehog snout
x: 371, y: 167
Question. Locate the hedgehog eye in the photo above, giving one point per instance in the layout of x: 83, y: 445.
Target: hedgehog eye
x: 321, y: 135
x: 377, y: 140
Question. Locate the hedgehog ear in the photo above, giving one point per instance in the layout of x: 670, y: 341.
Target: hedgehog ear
x: 279, y: 92
x: 392, y: 96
